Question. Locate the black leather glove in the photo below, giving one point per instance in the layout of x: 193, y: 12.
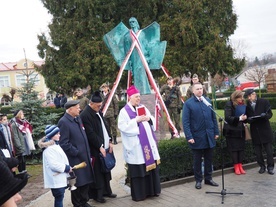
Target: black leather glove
x: 115, y: 116
x: 249, y: 119
x: 179, y: 110
x: 263, y: 115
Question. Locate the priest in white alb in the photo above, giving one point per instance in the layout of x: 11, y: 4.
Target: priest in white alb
x: 137, y: 126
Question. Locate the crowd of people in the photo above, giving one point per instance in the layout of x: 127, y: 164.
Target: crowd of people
x: 201, y: 130
x: 84, y: 134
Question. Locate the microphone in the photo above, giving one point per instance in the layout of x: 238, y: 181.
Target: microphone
x: 205, y: 101
x: 268, y: 109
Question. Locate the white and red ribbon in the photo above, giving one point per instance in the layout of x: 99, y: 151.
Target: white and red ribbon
x: 136, y: 44
x: 165, y: 70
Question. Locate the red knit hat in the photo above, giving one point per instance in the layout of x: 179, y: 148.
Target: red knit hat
x: 132, y: 90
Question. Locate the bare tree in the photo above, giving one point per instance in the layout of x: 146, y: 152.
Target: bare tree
x: 239, y: 47
x: 256, y: 74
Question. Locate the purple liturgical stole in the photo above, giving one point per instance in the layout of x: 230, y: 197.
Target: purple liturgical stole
x: 148, y: 156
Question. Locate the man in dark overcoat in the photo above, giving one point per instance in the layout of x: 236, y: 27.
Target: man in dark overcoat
x: 201, y: 131
x: 99, y: 141
x: 258, y: 111
x: 74, y: 143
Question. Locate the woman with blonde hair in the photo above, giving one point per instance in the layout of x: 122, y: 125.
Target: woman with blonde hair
x: 21, y: 132
x: 233, y: 129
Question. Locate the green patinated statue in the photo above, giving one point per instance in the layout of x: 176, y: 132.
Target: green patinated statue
x: 145, y: 48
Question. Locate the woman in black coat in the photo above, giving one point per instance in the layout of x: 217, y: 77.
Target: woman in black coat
x: 233, y: 130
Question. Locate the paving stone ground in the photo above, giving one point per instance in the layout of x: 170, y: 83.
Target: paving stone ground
x: 258, y: 190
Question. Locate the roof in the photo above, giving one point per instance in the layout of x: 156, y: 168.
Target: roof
x: 10, y: 66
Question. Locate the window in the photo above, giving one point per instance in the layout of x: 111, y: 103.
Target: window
x: 4, y: 81
x: 20, y: 79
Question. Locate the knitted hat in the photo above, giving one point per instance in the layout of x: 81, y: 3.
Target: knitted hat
x: 10, y: 184
x: 96, y: 97
x: 71, y: 103
x: 50, y: 131
x: 132, y: 90
x: 16, y: 112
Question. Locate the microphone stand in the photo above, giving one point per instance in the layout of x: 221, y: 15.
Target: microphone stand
x: 223, y: 191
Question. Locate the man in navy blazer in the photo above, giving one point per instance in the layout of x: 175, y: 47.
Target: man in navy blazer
x: 201, y: 131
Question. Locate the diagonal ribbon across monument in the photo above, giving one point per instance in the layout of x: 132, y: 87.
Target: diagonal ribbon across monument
x: 136, y: 50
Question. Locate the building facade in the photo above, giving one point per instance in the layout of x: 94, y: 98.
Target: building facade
x: 12, y: 77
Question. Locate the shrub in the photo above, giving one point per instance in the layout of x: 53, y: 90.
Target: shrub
x: 177, y: 158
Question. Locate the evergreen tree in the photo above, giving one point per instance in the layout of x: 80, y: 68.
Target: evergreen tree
x: 31, y: 105
x: 197, y: 32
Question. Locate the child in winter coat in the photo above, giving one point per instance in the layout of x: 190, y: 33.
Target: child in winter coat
x: 55, y: 164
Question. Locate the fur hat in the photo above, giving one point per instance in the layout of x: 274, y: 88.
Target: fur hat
x: 132, y: 90
x: 10, y: 184
x: 50, y: 131
x: 71, y: 103
x: 96, y: 97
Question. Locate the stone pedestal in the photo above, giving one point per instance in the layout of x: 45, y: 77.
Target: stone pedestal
x: 149, y: 101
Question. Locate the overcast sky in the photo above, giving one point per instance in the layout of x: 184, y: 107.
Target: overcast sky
x: 256, y: 26
x: 23, y: 20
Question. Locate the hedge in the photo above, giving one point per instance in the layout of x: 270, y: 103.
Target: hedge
x: 220, y: 104
x: 177, y: 158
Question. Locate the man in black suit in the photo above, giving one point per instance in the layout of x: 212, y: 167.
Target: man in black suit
x: 258, y: 113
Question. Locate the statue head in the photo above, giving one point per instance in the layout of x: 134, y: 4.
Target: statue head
x: 134, y: 23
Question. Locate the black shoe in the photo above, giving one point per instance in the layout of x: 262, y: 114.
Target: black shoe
x: 270, y: 171
x: 112, y: 195
x: 115, y: 140
x: 262, y: 170
x: 100, y: 200
x: 211, y: 182
x: 198, y: 185
x: 88, y: 205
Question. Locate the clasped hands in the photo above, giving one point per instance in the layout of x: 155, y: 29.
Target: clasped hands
x: 103, y: 151
x: 142, y: 118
